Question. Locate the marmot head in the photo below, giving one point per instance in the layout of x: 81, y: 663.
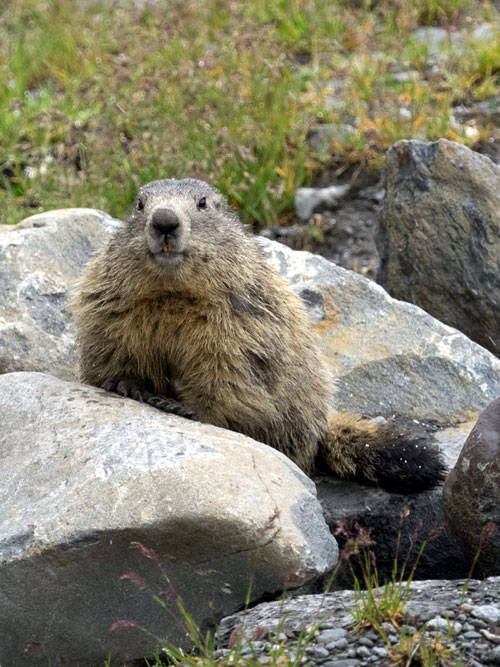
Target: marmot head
x: 181, y: 222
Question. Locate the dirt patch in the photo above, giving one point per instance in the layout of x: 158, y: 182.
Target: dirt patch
x: 345, y: 236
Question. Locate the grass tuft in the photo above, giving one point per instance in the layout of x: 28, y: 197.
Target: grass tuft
x: 99, y: 97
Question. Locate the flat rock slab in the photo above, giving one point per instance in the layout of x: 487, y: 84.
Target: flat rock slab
x: 465, y: 614
x: 427, y: 599
x: 85, y: 474
x: 388, y: 356
x: 39, y: 259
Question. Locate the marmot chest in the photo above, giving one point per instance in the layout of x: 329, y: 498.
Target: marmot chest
x: 173, y: 332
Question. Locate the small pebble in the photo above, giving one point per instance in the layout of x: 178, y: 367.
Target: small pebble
x: 331, y: 635
x: 363, y: 652
x: 388, y: 628
x: 365, y: 641
x: 221, y: 652
x: 403, y: 77
x: 321, y: 652
x: 487, y: 612
x: 258, y: 645
x: 408, y: 629
x: 439, y: 624
x: 341, y: 644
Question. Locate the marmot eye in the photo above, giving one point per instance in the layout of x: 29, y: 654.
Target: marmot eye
x: 140, y: 204
x: 202, y: 203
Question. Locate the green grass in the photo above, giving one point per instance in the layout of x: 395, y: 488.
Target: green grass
x: 98, y: 97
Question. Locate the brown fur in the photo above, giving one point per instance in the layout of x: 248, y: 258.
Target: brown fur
x: 207, y: 322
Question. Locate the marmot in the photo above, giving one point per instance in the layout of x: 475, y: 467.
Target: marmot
x: 182, y: 310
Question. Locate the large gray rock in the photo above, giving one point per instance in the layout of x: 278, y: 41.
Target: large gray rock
x: 439, y: 239
x: 471, y: 494
x: 85, y: 474
x: 39, y: 258
x: 388, y: 356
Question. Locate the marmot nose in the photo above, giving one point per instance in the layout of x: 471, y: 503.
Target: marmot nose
x: 165, y: 221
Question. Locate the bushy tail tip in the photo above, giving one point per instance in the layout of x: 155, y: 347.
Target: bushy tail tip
x: 372, y: 453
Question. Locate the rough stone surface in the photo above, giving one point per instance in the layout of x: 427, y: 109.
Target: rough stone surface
x: 388, y: 356
x: 84, y: 474
x: 439, y: 239
x: 472, y: 491
x: 39, y: 258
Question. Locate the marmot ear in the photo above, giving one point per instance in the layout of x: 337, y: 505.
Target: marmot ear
x: 219, y: 201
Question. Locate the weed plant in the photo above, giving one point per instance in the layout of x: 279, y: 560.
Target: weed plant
x: 377, y: 605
